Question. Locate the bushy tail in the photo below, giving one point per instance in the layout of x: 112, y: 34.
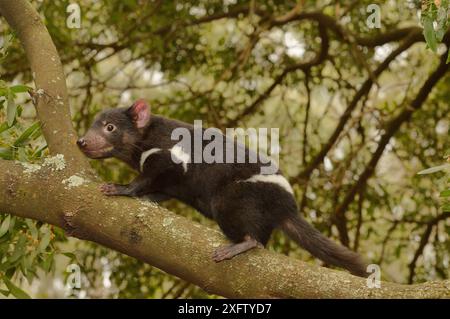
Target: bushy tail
x: 322, y: 247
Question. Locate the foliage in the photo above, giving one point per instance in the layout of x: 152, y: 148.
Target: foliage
x: 25, y: 245
x: 445, y: 194
x: 435, y: 13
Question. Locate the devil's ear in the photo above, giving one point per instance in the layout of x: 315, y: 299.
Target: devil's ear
x: 139, y: 113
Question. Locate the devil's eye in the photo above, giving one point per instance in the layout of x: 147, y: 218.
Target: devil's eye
x: 110, y: 127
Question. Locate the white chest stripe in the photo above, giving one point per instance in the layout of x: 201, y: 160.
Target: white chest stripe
x: 180, y: 156
x: 276, y: 179
x: 145, y: 155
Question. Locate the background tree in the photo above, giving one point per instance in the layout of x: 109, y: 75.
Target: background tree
x: 360, y: 112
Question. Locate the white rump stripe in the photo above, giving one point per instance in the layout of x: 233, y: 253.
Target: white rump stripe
x: 145, y: 155
x: 275, y: 179
x: 180, y: 156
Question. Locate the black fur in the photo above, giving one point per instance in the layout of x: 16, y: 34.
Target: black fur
x: 244, y: 210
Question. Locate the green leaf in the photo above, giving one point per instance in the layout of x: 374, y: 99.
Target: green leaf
x: 5, y: 225
x: 19, y: 249
x: 47, y: 264
x: 14, y: 290
x: 11, y: 110
x: 130, y: 3
x: 4, y: 292
x: 434, y: 169
x: 445, y: 193
x: 23, y: 138
x: 448, y: 57
x: 32, y: 228
x: 10, y: 272
x: 6, y: 153
x: 428, y: 33
x: 12, y: 222
x: 446, y: 208
x: 28, y: 261
x: 38, y: 153
x: 44, y: 241
x: 3, y: 127
x: 20, y: 88
x: 30, y: 276
x: 440, y: 35
x: 3, y: 91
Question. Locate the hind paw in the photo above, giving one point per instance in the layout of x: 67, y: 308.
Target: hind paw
x: 223, y: 253
x: 110, y: 189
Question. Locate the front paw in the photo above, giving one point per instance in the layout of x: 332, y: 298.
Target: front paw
x: 111, y: 189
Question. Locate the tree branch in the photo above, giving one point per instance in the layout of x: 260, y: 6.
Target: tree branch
x: 391, y: 128
x: 179, y: 246
x: 423, y: 242
x: 363, y: 91
x: 304, y: 66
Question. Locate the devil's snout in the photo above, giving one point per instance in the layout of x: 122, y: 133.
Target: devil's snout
x: 93, y: 145
x: 81, y: 142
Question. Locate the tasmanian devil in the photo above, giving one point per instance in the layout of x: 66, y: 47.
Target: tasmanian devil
x: 247, y: 204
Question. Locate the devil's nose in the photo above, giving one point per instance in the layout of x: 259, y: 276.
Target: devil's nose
x: 81, y: 142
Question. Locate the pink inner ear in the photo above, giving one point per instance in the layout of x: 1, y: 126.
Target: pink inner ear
x: 141, y: 112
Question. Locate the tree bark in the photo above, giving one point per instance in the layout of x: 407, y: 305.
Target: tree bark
x: 177, y: 245
x: 143, y: 229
